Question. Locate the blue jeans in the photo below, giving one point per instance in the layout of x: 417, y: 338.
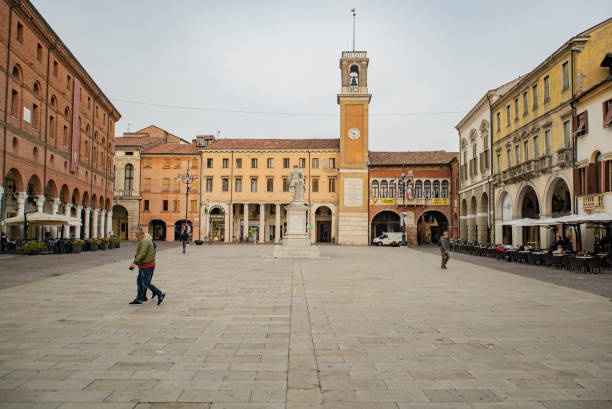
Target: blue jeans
x: 144, y: 280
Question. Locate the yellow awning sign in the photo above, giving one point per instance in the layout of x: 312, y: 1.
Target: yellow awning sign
x: 440, y: 201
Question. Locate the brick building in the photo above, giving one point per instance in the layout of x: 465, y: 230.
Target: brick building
x: 58, y: 128
x: 421, y: 185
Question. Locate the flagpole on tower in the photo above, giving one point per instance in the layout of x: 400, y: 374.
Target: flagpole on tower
x: 354, y: 14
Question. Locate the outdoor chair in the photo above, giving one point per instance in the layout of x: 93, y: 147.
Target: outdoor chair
x: 595, y: 264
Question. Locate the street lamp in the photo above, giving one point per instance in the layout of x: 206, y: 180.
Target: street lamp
x: 187, y: 179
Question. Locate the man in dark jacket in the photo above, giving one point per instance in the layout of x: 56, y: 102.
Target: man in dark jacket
x: 145, y: 260
x: 444, y: 249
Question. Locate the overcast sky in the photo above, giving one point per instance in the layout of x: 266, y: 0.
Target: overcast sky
x: 281, y: 57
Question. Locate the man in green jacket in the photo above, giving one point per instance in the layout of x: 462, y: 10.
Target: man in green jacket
x: 145, y: 260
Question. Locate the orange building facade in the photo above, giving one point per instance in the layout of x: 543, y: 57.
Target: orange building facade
x: 57, y: 141
x: 164, y: 196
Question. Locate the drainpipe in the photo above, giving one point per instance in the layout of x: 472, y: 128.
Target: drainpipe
x: 491, y: 207
x: 47, y: 116
x: 6, y: 108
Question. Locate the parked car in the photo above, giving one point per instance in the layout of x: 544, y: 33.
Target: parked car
x: 388, y: 239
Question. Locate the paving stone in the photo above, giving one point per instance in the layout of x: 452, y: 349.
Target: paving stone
x: 461, y: 395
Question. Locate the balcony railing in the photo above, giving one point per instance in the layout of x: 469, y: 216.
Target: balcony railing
x: 565, y: 156
x: 592, y: 202
x: 525, y: 170
x: 123, y: 193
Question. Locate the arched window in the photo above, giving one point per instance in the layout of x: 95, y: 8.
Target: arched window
x: 129, y: 177
x: 375, y: 188
x: 16, y: 74
x: 66, y: 112
x: 392, y: 189
x: 436, y: 188
x: 418, y: 189
x: 600, y: 172
x: 53, y: 102
x: 36, y: 90
x: 427, y: 189
x: 445, y: 188
x: 384, y: 189
x: 354, y: 76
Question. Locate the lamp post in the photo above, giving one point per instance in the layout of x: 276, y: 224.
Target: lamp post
x: 187, y: 179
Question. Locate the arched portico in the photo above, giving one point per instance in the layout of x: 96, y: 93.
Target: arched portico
x: 431, y: 225
x: 383, y: 222
x: 120, y: 221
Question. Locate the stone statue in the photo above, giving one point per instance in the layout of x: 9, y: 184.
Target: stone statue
x: 297, y: 184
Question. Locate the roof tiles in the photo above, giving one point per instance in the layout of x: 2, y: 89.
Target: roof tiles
x: 411, y: 158
x: 273, y: 144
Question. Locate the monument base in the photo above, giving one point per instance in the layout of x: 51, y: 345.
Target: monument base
x: 296, y: 243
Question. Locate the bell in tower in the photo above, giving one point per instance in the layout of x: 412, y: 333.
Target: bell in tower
x: 354, y: 75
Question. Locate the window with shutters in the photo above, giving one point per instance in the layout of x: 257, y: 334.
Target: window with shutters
x: 253, y: 185
x: 508, y: 115
x: 209, y: 184
x: 536, y: 147
x: 286, y: 163
x: 332, y: 185
x: 445, y: 189
x: 581, y: 124
x: 525, y: 103
x: 508, y: 158
x: 146, y: 205
x: 165, y: 206
x: 607, y: 113
x: 166, y: 163
x: 516, y: 109
x: 239, y: 163
x: 566, y: 134
x: 547, y: 89
x: 609, y: 173
x: 517, y: 154
x: 238, y: 184
x: 600, y: 173
x: 499, y: 162
x: 315, y: 185
x: 392, y: 189
x: 166, y: 185
x: 418, y: 189
x: 534, y: 92
x: 146, y: 184
x: 582, y: 181
x: 315, y: 163
x: 498, y: 120
x: 270, y: 163
x: 177, y: 186
x: 375, y: 189
x: 225, y: 163
x: 547, y: 141
x: 565, y: 77
x: 285, y: 185
x: 270, y: 184
x: 302, y: 163
x: 254, y: 163
x: 526, y: 149
x: 209, y: 163
x: 225, y: 184
x: 194, y: 164
x: 177, y: 163
x: 427, y: 189
x: 194, y: 206
x: 146, y: 162
x: 436, y: 189
x: 332, y: 163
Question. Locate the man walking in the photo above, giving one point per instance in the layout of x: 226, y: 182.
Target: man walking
x: 444, y: 249
x: 145, y: 260
x: 185, y: 238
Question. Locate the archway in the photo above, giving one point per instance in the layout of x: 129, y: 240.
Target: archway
x: 463, y: 226
x: 179, y: 226
x: 530, y: 208
x: 157, y: 229
x: 385, y: 222
x: 120, y: 221
x: 217, y: 224
x: 482, y: 220
x: 472, y: 226
x: 13, y: 184
x: 431, y: 225
x: 559, y: 201
x: 50, y: 194
x: 323, y: 224
x: 506, y: 213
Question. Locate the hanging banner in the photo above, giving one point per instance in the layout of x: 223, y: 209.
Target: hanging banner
x: 76, y: 126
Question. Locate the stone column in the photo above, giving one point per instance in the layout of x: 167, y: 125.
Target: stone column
x: 277, y: 233
x: 77, y: 229
x: 109, y: 223
x: 228, y: 224
x: 67, y: 208
x: 471, y: 225
x: 463, y: 227
x: 334, y: 227
x: 94, y: 223
x: 40, y: 203
x: 262, y: 222
x: 87, y: 223
x: 245, y: 216
x: 21, y: 200
x: 481, y: 222
x: 102, y: 223
x: 54, y: 208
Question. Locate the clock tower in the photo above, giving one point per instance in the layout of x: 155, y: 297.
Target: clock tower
x: 353, y: 186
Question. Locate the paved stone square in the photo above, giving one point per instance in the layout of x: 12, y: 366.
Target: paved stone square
x: 365, y: 328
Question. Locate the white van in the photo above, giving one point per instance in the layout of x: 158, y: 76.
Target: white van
x: 388, y: 239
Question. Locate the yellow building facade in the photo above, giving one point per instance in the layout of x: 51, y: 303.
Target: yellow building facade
x: 245, y: 188
x: 533, y: 148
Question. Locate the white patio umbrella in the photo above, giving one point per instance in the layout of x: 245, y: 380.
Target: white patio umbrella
x: 39, y: 219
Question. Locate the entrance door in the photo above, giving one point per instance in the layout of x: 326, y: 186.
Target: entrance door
x: 323, y: 232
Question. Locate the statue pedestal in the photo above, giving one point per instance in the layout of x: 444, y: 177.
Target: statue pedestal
x: 296, y: 243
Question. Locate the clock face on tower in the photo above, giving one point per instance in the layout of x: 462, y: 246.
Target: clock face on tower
x: 354, y: 133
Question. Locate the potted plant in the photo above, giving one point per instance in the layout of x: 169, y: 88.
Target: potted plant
x: 35, y: 247
x: 199, y: 242
x: 110, y: 243
x: 116, y: 242
x: 102, y: 245
x: 93, y: 245
x: 77, y: 246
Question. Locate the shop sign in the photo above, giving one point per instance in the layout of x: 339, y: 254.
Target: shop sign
x: 438, y: 201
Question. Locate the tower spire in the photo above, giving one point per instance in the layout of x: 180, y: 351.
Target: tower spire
x: 354, y: 11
